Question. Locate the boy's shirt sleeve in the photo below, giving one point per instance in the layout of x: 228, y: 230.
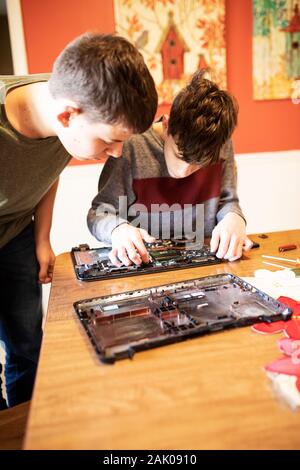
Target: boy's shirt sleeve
x: 109, y: 207
x: 229, y: 201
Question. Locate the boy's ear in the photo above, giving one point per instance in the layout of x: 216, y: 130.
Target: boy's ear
x: 69, y: 113
x: 165, y: 121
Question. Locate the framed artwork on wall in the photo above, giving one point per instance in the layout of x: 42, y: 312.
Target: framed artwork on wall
x: 276, y: 49
x: 176, y: 38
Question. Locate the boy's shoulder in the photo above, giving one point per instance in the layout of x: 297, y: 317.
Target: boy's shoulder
x: 144, y: 154
x: 12, y: 81
x: 150, y: 137
x: 226, y: 151
x: 149, y: 144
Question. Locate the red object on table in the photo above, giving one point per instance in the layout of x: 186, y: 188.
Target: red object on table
x: 287, y: 247
x: 289, y: 364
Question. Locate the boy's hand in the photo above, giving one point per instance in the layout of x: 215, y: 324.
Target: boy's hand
x: 128, y: 245
x: 229, y: 237
x: 46, y: 259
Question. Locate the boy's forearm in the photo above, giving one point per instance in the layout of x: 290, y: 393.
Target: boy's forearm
x: 102, y: 221
x: 230, y: 207
x: 115, y: 182
x: 43, y: 214
x: 229, y: 201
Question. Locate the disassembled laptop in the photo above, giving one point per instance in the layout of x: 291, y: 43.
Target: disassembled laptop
x: 120, y: 325
x: 165, y: 255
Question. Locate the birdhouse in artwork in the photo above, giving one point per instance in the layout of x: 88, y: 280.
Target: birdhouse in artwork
x: 294, y: 24
x: 202, y: 62
x: 293, y: 43
x: 172, y: 48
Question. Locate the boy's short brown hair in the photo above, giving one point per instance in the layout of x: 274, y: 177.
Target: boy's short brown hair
x: 106, y: 76
x: 202, y: 119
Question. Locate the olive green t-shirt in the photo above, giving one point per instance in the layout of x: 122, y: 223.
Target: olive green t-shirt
x: 28, y: 167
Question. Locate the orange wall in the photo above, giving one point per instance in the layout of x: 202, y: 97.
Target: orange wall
x: 50, y: 24
x: 263, y: 125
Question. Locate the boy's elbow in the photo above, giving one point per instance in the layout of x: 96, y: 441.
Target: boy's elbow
x: 91, y: 220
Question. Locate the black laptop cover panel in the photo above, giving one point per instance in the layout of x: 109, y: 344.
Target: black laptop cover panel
x: 120, y: 325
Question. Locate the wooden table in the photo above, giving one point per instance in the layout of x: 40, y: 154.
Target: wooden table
x: 205, y: 393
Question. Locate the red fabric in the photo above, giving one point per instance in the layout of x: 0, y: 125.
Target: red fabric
x: 286, y: 346
x: 197, y: 188
x: 290, y: 328
x: 289, y: 364
x: 284, y: 365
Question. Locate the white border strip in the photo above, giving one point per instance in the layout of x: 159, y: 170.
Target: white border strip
x: 17, y: 38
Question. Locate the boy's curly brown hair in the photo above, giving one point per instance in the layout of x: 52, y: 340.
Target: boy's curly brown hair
x: 202, y: 119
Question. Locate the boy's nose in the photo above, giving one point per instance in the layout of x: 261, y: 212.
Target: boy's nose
x: 115, y: 150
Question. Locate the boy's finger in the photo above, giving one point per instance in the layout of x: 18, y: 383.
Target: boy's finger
x: 113, y: 257
x: 142, y: 250
x: 50, y: 270
x: 247, y: 244
x: 122, y: 255
x: 43, y: 271
x: 223, y: 246
x: 132, y: 254
x: 50, y: 267
x: 145, y: 236
x: 232, y: 248
x: 238, y: 251
x: 215, y: 240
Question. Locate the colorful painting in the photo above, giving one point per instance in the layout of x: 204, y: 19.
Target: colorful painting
x: 276, y: 48
x: 176, y: 38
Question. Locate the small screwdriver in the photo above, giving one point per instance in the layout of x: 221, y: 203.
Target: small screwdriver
x: 297, y: 260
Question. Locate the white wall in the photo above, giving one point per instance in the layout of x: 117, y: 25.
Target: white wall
x: 269, y: 190
x: 77, y: 187
x: 17, y: 39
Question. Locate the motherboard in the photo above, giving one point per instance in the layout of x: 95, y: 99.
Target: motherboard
x: 94, y: 264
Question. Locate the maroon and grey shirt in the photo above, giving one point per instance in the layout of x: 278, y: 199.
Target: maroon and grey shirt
x: 142, y: 176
